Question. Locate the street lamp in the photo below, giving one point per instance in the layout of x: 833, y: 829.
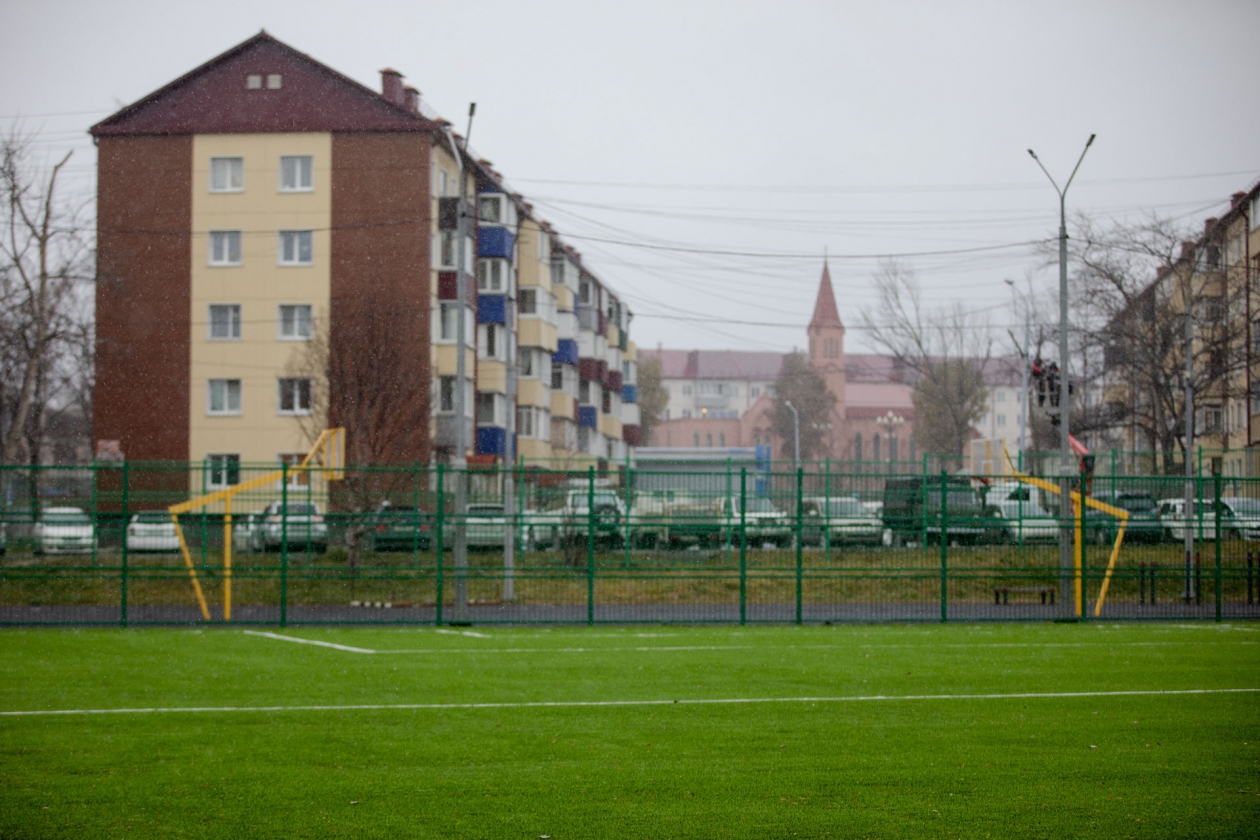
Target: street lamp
x: 1023, y: 356
x: 891, y: 422
x: 1065, y: 398
x: 796, y: 435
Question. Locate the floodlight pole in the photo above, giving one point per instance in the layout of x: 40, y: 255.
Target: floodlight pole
x: 1023, y: 356
x: 460, y: 462
x: 1067, y: 526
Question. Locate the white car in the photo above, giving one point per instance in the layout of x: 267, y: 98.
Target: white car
x: 1240, y: 517
x: 64, y: 530
x: 1023, y: 510
x: 1246, y: 516
x: 152, y: 530
x: 845, y: 519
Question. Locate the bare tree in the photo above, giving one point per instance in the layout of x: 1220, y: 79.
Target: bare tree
x: 805, y: 388
x: 652, y: 396
x: 44, y: 257
x: 947, y: 350
x: 366, y: 379
x: 1131, y: 293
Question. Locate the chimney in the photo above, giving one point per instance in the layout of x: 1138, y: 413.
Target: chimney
x: 413, y: 99
x: 1208, y: 224
x: 1187, y: 249
x: 1236, y: 199
x: 392, y: 86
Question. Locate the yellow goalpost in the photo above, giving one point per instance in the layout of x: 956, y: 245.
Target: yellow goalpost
x: 330, y: 451
x: 1119, y: 513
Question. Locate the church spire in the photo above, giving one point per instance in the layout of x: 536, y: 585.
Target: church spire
x: 825, y: 312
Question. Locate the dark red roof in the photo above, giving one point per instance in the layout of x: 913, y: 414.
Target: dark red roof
x: 213, y: 99
x: 825, y: 313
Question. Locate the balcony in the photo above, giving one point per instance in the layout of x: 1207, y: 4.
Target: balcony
x: 491, y: 440
x: 491, y: 309
x: 495, y: 242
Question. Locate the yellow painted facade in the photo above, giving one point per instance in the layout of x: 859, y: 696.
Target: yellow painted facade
x: 259, y: 285
x: 563, y: 406
x: 492, y: 376
x: 609, y: 426
x: 535, y: 332
x: 533, y: 450
x: 532, y: 392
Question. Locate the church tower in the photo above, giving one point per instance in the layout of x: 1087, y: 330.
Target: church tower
x: 826, y: 355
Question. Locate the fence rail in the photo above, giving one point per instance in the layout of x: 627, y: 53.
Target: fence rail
x: 96, y: 545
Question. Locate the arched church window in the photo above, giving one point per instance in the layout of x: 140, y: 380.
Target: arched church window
x: 857, y: 447
x: 875, y: 447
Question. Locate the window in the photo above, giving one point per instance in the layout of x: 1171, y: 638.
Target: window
x: 444, y: 183
x: 225, y: 396
x: 708, y: 439
x: 253, y: 82
x: 755, y: 391
x: 295, y: 321
x: 295, y: 247
x: 625, y: 373
x: 223, y: 470
x: 525, y: 364
x: 686, y: 390
x: 695, y: 440
x: 1001, y: 420
x: 557, y: 377
x: 446, y: 393
x: 857, y: 447
x: 225, y: 247
x: 1212, y: 419
x: 295, y: 396
x: 297, y: 478
x: 999, y: 396
x: 492, y: 276
x: 491, y: 341
x: 527, y: 302
x: 585, y: 291
x: 722, y: 439
x: 686, y: 413
x: 606, y: 402
x: 584, y: 391
x: 274, y: 81
x: 227, y: 174
x: 296, y: 173
x: 225, y: 321
x: 490, y: 209
x: 525, y: 421
x: 544, y: 250
x: 446, y: 248
x: 486, y: 408
x: 875, y: 447
x: 583, y: 439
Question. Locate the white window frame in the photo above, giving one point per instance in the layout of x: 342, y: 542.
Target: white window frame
x: 226, y: 164
x: 525, y: 421
x: 296, y: 239
x: 233, y: 312
x: 297, y: 410
x: 222, y: 464
x: 222, y: 243
x: 227, y: 409
x: 494, y: 276
x: 297, y: 322
x: 298, y: 166
x: 530, y: 308
x: 498, y: 409
x: 274, y: 81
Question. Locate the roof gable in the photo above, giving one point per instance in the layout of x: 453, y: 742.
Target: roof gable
x: 213, y: 99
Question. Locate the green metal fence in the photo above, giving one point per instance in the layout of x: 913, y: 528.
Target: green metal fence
x: 748, y: 544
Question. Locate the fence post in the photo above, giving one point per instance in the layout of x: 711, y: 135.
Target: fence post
x: 923, y: 537
x: 415, y: 504
x: 96, y: 516
x: 1216, y: 480
x: 284, y: 541
x: 441, y: 510
x: 726, y: 506
x: 122, y: 616
x: 800, y: 493
x: 743, y: 545
x: 1083, y: 595
x: 944, y: 542
x: 590, y: 545
x: 826, y: 534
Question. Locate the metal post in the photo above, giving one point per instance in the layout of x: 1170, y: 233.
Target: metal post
x: 1217, y: 508
x: 796, y: 435
x: 511, y: 519
x: 1189, y: 536
x: 590, y: 545
x: 826, y: 534
x: 924, y: 540
x: 96, y: 518
x: 944, y: 545
x: 227, y: 550
x: 441, y: 506
x: 284, y: 541
x: 726, y: 505
x: 1065, y: 391
x: 743, y: 545
x: 1082, y: 592
x: 461, y: 383
x: 122, y: 617
x: 800, y: 482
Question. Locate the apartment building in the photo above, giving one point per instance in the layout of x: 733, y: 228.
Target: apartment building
x: 278, y: 248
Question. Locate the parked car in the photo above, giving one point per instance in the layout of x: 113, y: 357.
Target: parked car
x: 152, y: 530
x: 63, y: 530
x: 400, y: 528
x: 300, y: 524
x: 907, y: 517
x: 844, y: 519
x: 763, y: 522
x: 245, y: 532
x: 673, y: 518
x: 486, y: 526
x: 571, y: 522
x: 1246, y: 513
x: 1203, y: 524
x: 1027, y: 512
x: 1144, y: 521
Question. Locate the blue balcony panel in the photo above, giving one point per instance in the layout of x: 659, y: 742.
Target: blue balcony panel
x: 566, y: 352
x: 629, y: 393
x: 588, y: 416
x: 495, y: 242
x: 491, y: 440
x: 491, y: 309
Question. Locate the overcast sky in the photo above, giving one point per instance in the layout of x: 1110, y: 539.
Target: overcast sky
x: 718, y: 148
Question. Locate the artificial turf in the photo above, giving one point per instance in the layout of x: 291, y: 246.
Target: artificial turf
x: 1139, y: 765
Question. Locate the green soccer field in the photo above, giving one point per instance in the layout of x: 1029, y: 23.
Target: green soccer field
x: 883, y: 731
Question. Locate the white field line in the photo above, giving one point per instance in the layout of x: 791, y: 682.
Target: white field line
x: 266, y: 635
x: 472, y: 633
x: 565, y: 704
x: 669, y: 648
